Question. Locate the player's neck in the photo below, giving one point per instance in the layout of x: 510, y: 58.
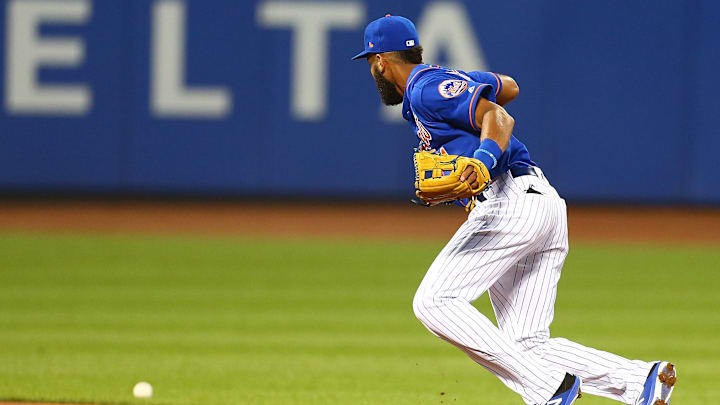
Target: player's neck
x: 402, y: 72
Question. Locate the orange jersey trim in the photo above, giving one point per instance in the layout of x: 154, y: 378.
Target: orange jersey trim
x: 498, y: 83
x: 472, y: 103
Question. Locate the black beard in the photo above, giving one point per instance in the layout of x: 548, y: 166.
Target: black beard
x: 388, y: 92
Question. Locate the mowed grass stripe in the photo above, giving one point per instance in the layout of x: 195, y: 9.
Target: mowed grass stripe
x: 290, y: 321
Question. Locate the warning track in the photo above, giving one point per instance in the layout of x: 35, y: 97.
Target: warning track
x: 370, y: 220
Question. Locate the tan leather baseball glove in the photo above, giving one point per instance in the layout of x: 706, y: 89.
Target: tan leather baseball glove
x: 437, y: 178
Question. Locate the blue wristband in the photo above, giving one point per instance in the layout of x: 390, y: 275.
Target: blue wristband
x: 489, y: 153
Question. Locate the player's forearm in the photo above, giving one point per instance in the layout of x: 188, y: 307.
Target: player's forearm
x: 497, y: 125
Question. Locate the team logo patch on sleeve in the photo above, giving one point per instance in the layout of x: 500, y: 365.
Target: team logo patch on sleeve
x: 452, y: 88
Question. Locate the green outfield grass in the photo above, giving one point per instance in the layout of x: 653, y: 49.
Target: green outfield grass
x: 229, y: 321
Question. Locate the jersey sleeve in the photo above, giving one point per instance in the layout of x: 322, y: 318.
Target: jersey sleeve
x: 453, y: 100
x: 490, y: 78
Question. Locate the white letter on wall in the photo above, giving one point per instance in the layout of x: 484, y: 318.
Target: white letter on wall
x: 457, y: 38
x: 169, y: 97
x: 26, y: 52
x: 310, y: 22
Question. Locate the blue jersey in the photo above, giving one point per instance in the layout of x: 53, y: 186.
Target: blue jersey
x: 440, y: 105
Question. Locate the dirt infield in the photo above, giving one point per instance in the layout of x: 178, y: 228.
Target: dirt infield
x: 384, y: 220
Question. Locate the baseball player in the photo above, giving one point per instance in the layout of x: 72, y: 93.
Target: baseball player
x: 514, y: 241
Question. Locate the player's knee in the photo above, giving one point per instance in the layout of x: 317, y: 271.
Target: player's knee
x: 422, y: 305
x: 429, y: 306
x: 418, y: 305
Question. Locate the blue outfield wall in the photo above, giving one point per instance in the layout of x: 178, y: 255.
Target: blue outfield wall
x: 618, y: 100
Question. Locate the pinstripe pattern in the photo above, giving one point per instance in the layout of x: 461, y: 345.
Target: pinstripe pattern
x: 513, y: 245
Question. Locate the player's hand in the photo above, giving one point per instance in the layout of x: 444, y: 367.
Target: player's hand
x: 471, y: 176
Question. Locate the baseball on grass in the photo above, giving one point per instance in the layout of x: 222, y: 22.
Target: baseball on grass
x: 142, y: 390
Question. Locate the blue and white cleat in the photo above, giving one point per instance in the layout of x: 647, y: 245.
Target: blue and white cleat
x: 568, y: 392
x: 659, y: 385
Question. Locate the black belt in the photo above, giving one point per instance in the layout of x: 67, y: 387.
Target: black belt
x: 524, y: 171
x: 516, y: 171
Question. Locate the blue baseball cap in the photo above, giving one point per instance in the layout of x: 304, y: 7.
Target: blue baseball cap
x: 388, y: 34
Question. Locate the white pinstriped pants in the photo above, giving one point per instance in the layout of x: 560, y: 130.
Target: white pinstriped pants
x: 514, y: 245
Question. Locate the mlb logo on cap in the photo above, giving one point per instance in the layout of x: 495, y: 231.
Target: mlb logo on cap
x: 388, y: 34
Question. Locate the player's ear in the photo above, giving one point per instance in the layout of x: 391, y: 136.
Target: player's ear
x: 381, y: 60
